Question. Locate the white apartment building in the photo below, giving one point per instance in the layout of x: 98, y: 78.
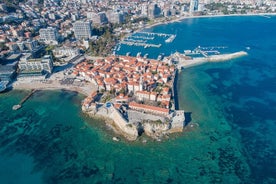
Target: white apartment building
x: 49, y: 35
x: 82, y: 30
x: 39, y: 64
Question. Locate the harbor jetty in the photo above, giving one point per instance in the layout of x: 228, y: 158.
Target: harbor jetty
x: 185, y: 61
x: 18, y: 106
x: 155, y: 34
x: 136, y: 43
x: 170, y: 39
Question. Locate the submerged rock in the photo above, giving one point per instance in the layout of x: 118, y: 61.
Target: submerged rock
x: 116, y: 139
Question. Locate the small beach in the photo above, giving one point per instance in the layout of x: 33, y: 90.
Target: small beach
x: 54, y: 83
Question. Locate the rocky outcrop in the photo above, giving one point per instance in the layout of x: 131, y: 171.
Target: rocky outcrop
x: 155, y: 129
x: 130, y: 130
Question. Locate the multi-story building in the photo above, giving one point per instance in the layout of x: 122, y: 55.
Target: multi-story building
x: 144, y: 10
x: 115, y: 17
x: 82, y: 30
x: 97, y: 18
x: 193, y: 6
x: 52, y: 16
x: 154, y: 11
x: 7, y: 72
x: 30, y: 46
x: 49, y: 35
x: 27, y: 64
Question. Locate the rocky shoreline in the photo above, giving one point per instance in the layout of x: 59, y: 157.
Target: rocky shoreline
x: 132, y: 130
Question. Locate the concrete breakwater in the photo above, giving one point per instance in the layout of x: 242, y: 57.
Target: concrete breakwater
x: 186, y: 62
x: 225, y: 57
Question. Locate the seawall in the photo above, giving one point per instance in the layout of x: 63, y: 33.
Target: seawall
x: 115, y: 120
x: 175, y: 93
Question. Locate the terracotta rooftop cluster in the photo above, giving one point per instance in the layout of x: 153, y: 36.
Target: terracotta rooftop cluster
x: 146, y: 79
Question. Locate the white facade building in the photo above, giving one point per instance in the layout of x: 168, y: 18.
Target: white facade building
x: 82, y: 30
x: 193, y: 6
x: 40, y: 64
x: 49, y: 35
x: 115, y: 17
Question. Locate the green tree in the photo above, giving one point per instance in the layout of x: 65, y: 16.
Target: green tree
x: 3, y: 46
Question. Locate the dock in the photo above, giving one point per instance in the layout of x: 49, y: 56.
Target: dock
x: 145, y: 45
x: 155, y: 34
x: 170, y: 39
x: 145, y: 39
x: 18, y: 106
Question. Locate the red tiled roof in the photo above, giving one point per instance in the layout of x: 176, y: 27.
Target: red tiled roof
x: 117, y: 105
x: 148, y: 107
x: 143, y: 92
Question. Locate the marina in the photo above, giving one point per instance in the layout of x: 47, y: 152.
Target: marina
x: 205, y: 51
x: 146, y: 40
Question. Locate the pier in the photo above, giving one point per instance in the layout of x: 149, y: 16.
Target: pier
x: 170, y: 39
x: 132, y: 40
x: 145, y: 45
x: 155, y: 34
x: 143, y: 37
x: 203, y: 53
x: 18, y: 106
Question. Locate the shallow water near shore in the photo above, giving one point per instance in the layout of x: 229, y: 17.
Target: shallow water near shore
x: 49, y: 140
x: 54, y: 147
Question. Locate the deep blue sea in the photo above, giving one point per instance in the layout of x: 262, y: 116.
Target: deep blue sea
x: 50, y: 140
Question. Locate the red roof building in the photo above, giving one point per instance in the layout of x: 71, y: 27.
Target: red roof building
x: 149, y: 108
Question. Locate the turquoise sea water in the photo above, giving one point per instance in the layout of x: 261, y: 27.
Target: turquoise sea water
x: 49, y: 140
